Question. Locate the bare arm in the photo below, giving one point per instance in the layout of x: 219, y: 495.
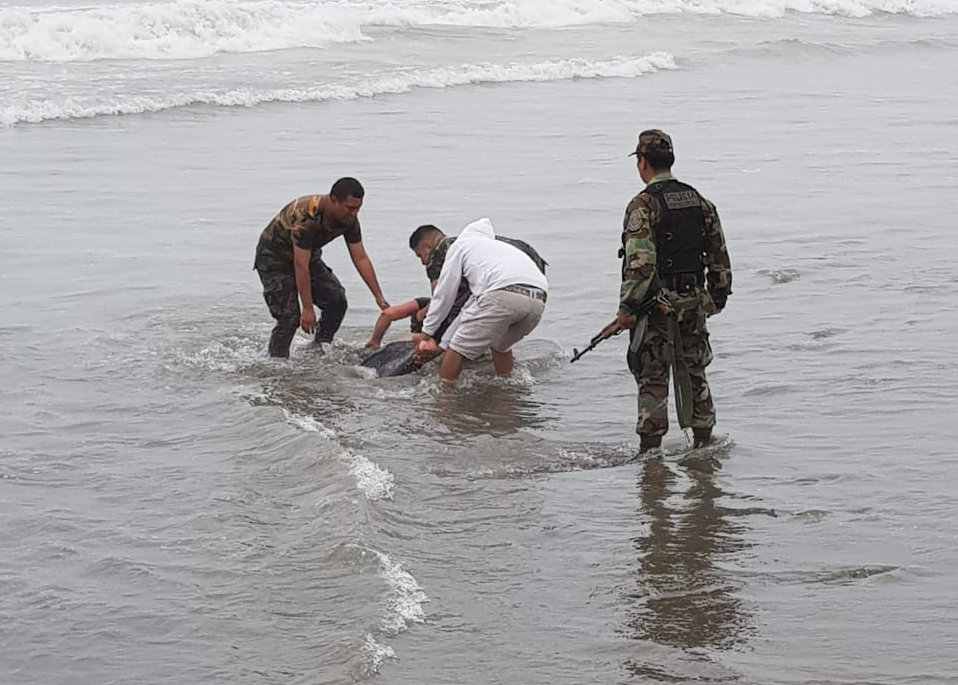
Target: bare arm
x: 365, y: 268
x: 388, y: 315
x: 307, y: 317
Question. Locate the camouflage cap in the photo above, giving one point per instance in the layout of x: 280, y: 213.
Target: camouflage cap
x: 653, y: 139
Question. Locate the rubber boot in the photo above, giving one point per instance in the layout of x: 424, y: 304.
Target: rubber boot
x: 702, y: 437
x: 649, y: 442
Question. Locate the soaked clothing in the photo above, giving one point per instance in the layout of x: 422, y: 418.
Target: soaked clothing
x: 301, y: 223
x: 673, y: 248
x: 282, y: 298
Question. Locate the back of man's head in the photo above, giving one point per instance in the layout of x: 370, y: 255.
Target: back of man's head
x: 422, y: 233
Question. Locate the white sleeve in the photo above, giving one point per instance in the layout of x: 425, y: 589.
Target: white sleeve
x: 447, y: 287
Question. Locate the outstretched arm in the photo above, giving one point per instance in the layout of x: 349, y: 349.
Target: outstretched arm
x: 365, y: 268
x: 390, y: 314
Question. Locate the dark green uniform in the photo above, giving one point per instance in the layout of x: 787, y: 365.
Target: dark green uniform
x: 300, y: 223
x: 673, y: 246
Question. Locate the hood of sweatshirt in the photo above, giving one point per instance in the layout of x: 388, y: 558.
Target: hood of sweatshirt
x: 479, y: 228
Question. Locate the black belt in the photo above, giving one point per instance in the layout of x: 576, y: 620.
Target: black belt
x: 682, y: 283
x: 527, y: 290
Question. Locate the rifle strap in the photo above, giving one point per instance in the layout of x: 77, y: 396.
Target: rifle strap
x: 681, y: 381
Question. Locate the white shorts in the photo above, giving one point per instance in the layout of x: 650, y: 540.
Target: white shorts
x: 498, y: 320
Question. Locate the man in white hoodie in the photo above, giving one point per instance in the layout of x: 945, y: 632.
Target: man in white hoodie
x: 508, y: 297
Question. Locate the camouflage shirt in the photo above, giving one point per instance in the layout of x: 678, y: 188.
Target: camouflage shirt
x: 437, y: 257
x: 638, y: 257
x: 301, y: 223
x: 434, y: 261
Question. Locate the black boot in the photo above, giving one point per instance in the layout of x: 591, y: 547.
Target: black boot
x: 649, y: 442
x: 702, y: 437
x: 279, y: 341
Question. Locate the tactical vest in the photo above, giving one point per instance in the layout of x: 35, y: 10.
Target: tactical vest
x: 679, y: 235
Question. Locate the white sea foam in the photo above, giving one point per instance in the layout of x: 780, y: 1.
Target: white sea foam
x: 376, y: 654
x: 308, y: 424
x: 407, y: 599
x: 393, y: 83
x: 559, y: 13
x: 372, y: 480
x: 229, y: 355
x: 188, y: 29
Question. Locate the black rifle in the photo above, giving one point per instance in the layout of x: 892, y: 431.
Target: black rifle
x: 611, y: 329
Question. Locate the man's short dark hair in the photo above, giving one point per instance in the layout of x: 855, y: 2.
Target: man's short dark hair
x: 421, y: 234
x: 659, y: 160
x: 347, y: 187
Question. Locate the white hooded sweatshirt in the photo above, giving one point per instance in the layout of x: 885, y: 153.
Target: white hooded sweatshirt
x: 486, y: 263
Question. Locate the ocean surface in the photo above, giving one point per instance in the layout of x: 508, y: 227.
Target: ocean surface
x: 175, y: 507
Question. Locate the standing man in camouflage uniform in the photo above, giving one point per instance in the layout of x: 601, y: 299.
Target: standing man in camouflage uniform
x: 675, y: 273
x: 289, y: 259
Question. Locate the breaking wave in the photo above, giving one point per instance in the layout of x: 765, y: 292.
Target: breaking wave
x: 393, y: 83
x: 190, y: 29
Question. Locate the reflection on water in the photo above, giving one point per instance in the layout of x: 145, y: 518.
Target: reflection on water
x: 684, y: 597
x: 497, y: 408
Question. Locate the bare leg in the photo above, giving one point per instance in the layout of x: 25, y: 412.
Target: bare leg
x: 451, y: 366
x: 503, y: 362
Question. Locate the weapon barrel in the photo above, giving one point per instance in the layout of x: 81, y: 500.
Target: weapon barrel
x: 606, y: 333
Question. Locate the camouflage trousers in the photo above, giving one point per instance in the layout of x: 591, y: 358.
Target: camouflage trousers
x: 657, y: 354
x: 282, y: 298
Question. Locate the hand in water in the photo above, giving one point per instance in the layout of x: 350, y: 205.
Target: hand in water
x: 425, y: 350
x: 308, y: 320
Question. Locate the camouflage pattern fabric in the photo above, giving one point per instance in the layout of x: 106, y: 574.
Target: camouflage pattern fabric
x: 653, y: 139
x: 302, y: 223
x: 638, y: 255
x: 282, y: 298
x: 657, y: 353
x: 688, y: 310
x: 434, y: 261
